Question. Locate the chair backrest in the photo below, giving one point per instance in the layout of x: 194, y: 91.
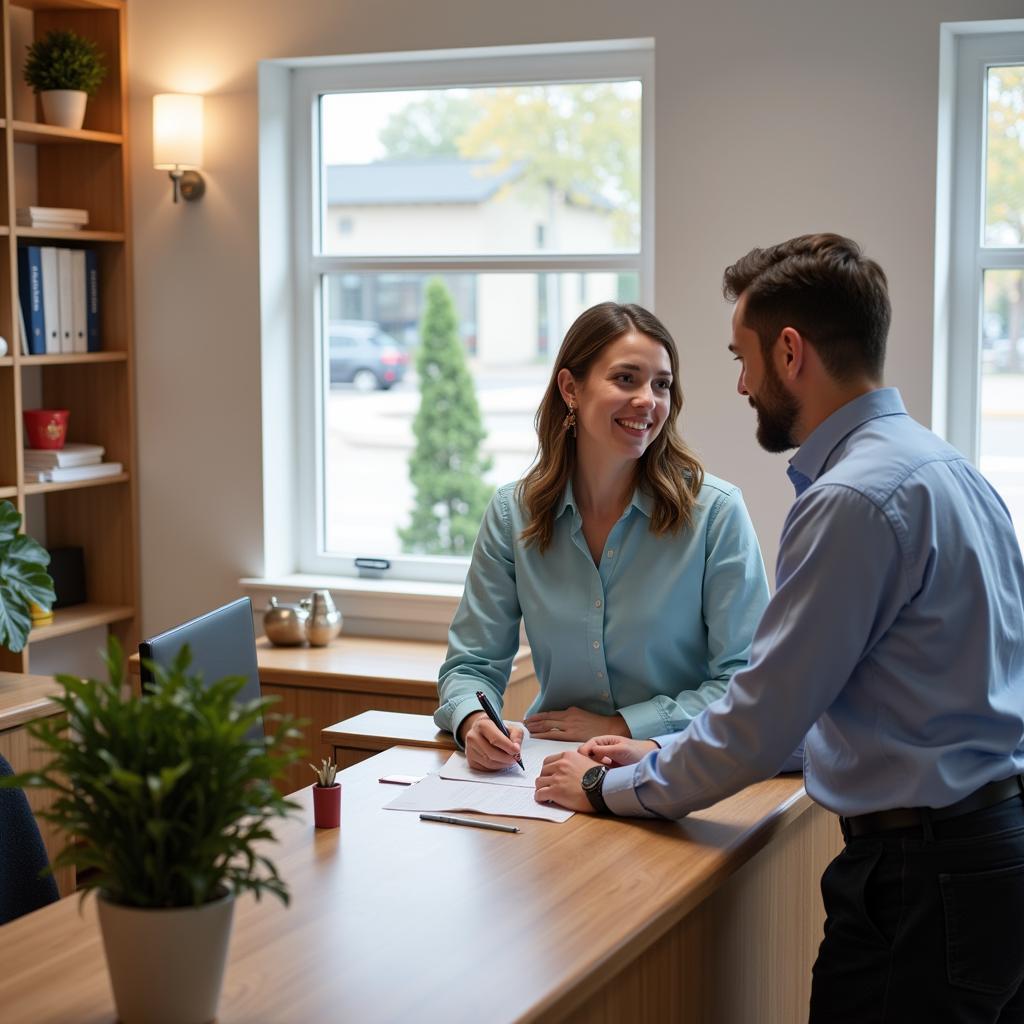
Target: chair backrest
x: 222, y: 642
x: 22, y: 856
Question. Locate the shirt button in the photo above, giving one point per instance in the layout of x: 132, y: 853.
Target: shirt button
x: 600, y: 675
x: 605, y: 695
x: 597, y: 644
x: 597, y: 603
x: 610, y: 552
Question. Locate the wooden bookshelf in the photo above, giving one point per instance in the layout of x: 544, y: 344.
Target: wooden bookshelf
x: 87, y: 168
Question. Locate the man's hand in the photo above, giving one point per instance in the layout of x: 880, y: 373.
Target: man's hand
x: 487, y: 749
x: 615, y: 751
x: 574, y: 724
x: 561, y: 781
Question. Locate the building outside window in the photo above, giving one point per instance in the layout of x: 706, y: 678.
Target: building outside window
x: 505, y: 190
x: 984, y: 344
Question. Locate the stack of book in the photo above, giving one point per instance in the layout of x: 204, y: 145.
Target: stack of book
x: 70, y: 463
x: 60, y: 300
x: 52, y: 218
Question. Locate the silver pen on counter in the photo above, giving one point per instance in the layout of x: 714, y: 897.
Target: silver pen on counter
x: 472, y: 822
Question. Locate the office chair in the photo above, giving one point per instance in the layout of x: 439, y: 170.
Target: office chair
x: 22, y: 856
x: 222, y: 642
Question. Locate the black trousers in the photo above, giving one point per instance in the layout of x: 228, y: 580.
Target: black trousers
x: 926, y: 928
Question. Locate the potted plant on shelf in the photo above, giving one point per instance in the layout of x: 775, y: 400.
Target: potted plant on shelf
x: 64, y: 69
x: 23, y: 579
x: 166, y: 805
x: 326, y: 795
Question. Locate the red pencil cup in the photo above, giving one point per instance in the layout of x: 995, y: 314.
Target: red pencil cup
x: 46, y: 428
x: 327, y: 806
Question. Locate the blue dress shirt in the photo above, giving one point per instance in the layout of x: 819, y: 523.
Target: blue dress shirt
x: 654, y: 632
x: 894, y: 636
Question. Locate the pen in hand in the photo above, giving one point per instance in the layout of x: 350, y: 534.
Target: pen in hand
x: 493, y: 716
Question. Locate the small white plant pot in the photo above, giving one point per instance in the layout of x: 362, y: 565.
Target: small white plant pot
x: 166, y: 966
x: 64, y: 107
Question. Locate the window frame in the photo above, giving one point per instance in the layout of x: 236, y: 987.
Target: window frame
x: 611, y: 60
x: 962, y: 258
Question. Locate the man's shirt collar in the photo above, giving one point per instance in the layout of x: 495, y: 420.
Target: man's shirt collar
x: 810, y: 460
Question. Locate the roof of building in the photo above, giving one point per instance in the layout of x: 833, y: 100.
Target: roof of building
x: 436, y: 180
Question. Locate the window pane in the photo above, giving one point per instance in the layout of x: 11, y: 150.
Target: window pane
x: 1004, y: 157
x: 515, y: 169
x: 1002, y: 389
x: 491, y: 339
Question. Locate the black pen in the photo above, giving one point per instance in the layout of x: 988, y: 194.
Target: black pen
x: 493, y: 716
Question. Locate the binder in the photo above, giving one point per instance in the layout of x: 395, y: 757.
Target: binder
x: 67, y: 326
x: 30, y: 292
x: 92, y: 301
x: 78, y: 339
x: 51, y: 298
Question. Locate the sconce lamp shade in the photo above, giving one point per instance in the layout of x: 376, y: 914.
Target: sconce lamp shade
x: 177, y: 132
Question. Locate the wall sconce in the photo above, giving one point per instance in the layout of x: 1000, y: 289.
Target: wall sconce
x: 178, y: 141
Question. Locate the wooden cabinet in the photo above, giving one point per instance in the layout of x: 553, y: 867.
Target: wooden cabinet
x: 88, y: 169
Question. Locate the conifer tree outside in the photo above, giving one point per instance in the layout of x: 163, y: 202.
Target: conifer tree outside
x: 445, y: 467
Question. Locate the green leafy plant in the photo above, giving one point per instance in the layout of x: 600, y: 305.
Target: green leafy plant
x: 64, y: 60
x: 163, y: 798
x: 23, y: 579
x: 325, y: 773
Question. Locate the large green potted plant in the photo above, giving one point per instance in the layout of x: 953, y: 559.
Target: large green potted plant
x: 166, y: 804
x: 64, y: 69
x: 23, y: 579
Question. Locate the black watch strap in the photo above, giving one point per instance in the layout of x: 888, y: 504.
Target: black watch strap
x: 593, y: 781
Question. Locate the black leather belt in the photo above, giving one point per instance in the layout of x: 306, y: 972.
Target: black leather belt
x: 911, y: 817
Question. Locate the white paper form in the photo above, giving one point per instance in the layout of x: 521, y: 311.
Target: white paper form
x: 433, y: 793
x: 533, y: 753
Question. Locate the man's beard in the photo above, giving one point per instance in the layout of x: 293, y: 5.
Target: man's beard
x: 777, y: 412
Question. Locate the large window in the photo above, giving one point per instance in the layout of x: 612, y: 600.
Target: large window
x: 985, y: 415
x: 454, y: 214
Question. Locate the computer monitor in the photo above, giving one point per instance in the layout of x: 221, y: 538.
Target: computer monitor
x: 222, y: 642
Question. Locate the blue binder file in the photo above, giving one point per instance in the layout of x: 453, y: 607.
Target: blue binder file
x: 30, y: 292
x: 92, y: 300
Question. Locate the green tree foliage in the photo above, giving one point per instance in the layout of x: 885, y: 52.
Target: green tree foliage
x: 580, y: 141
x: 446, y: 467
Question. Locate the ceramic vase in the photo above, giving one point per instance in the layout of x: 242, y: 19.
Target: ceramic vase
x: 166, y: 965
x: 327, y: 806
x: 64, y: 107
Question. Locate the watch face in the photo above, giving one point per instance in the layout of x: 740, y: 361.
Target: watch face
x: 593, y: 776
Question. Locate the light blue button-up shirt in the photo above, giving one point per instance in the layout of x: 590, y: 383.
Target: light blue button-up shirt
x: 896, y: 636
x: 654, y: 632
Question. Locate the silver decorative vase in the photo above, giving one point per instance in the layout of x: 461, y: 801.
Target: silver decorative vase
x: 285, y: 624
x: 324, y: 622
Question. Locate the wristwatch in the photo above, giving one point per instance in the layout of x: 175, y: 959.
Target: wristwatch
x: 592, y: 781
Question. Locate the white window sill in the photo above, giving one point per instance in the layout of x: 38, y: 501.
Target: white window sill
x: 370, y: 607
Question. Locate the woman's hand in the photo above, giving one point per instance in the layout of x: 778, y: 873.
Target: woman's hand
x: 574, y: 724
x: 561, y: 781
x: 487, y: 748
x: 615, y: 751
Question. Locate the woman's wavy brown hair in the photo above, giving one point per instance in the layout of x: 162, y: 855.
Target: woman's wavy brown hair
x: 667, y: 471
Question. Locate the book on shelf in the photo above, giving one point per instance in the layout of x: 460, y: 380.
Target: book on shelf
x: 59, y: 295
x: 62, y: 217
x: 74, y: 453
x: 71, y: 474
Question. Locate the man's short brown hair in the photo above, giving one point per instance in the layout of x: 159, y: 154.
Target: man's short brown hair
x: 823, y: 287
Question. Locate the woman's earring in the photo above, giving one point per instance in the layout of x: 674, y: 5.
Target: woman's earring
x: 569, y: 423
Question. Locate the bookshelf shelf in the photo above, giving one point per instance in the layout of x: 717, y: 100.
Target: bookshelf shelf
x: 76, y: 485
x: 43, y: 134
x: 48, y: 166
x: 70, y: 359
x: 78, y: 618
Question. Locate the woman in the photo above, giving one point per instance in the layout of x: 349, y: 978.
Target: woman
x: 637, y: 576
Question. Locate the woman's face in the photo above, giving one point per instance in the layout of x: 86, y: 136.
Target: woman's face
x: 624, y: 400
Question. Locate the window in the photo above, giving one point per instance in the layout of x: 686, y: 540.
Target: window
x: 984, y: 416
x: 453, y: 214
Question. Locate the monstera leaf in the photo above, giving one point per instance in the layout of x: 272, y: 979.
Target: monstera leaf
x: 23, y: 578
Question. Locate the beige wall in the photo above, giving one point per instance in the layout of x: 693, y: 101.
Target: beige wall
x: 772, y: 119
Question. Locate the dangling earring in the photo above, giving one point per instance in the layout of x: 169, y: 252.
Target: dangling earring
x: 569, y: 423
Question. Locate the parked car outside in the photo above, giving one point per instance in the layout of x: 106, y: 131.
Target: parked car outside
x: 361, y: 354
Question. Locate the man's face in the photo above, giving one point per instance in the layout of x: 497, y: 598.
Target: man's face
x: 777, y: 410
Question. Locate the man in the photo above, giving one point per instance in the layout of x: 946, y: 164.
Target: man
x: 894, y: 641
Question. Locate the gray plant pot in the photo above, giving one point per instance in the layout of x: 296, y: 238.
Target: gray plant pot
x: 166, y: 966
